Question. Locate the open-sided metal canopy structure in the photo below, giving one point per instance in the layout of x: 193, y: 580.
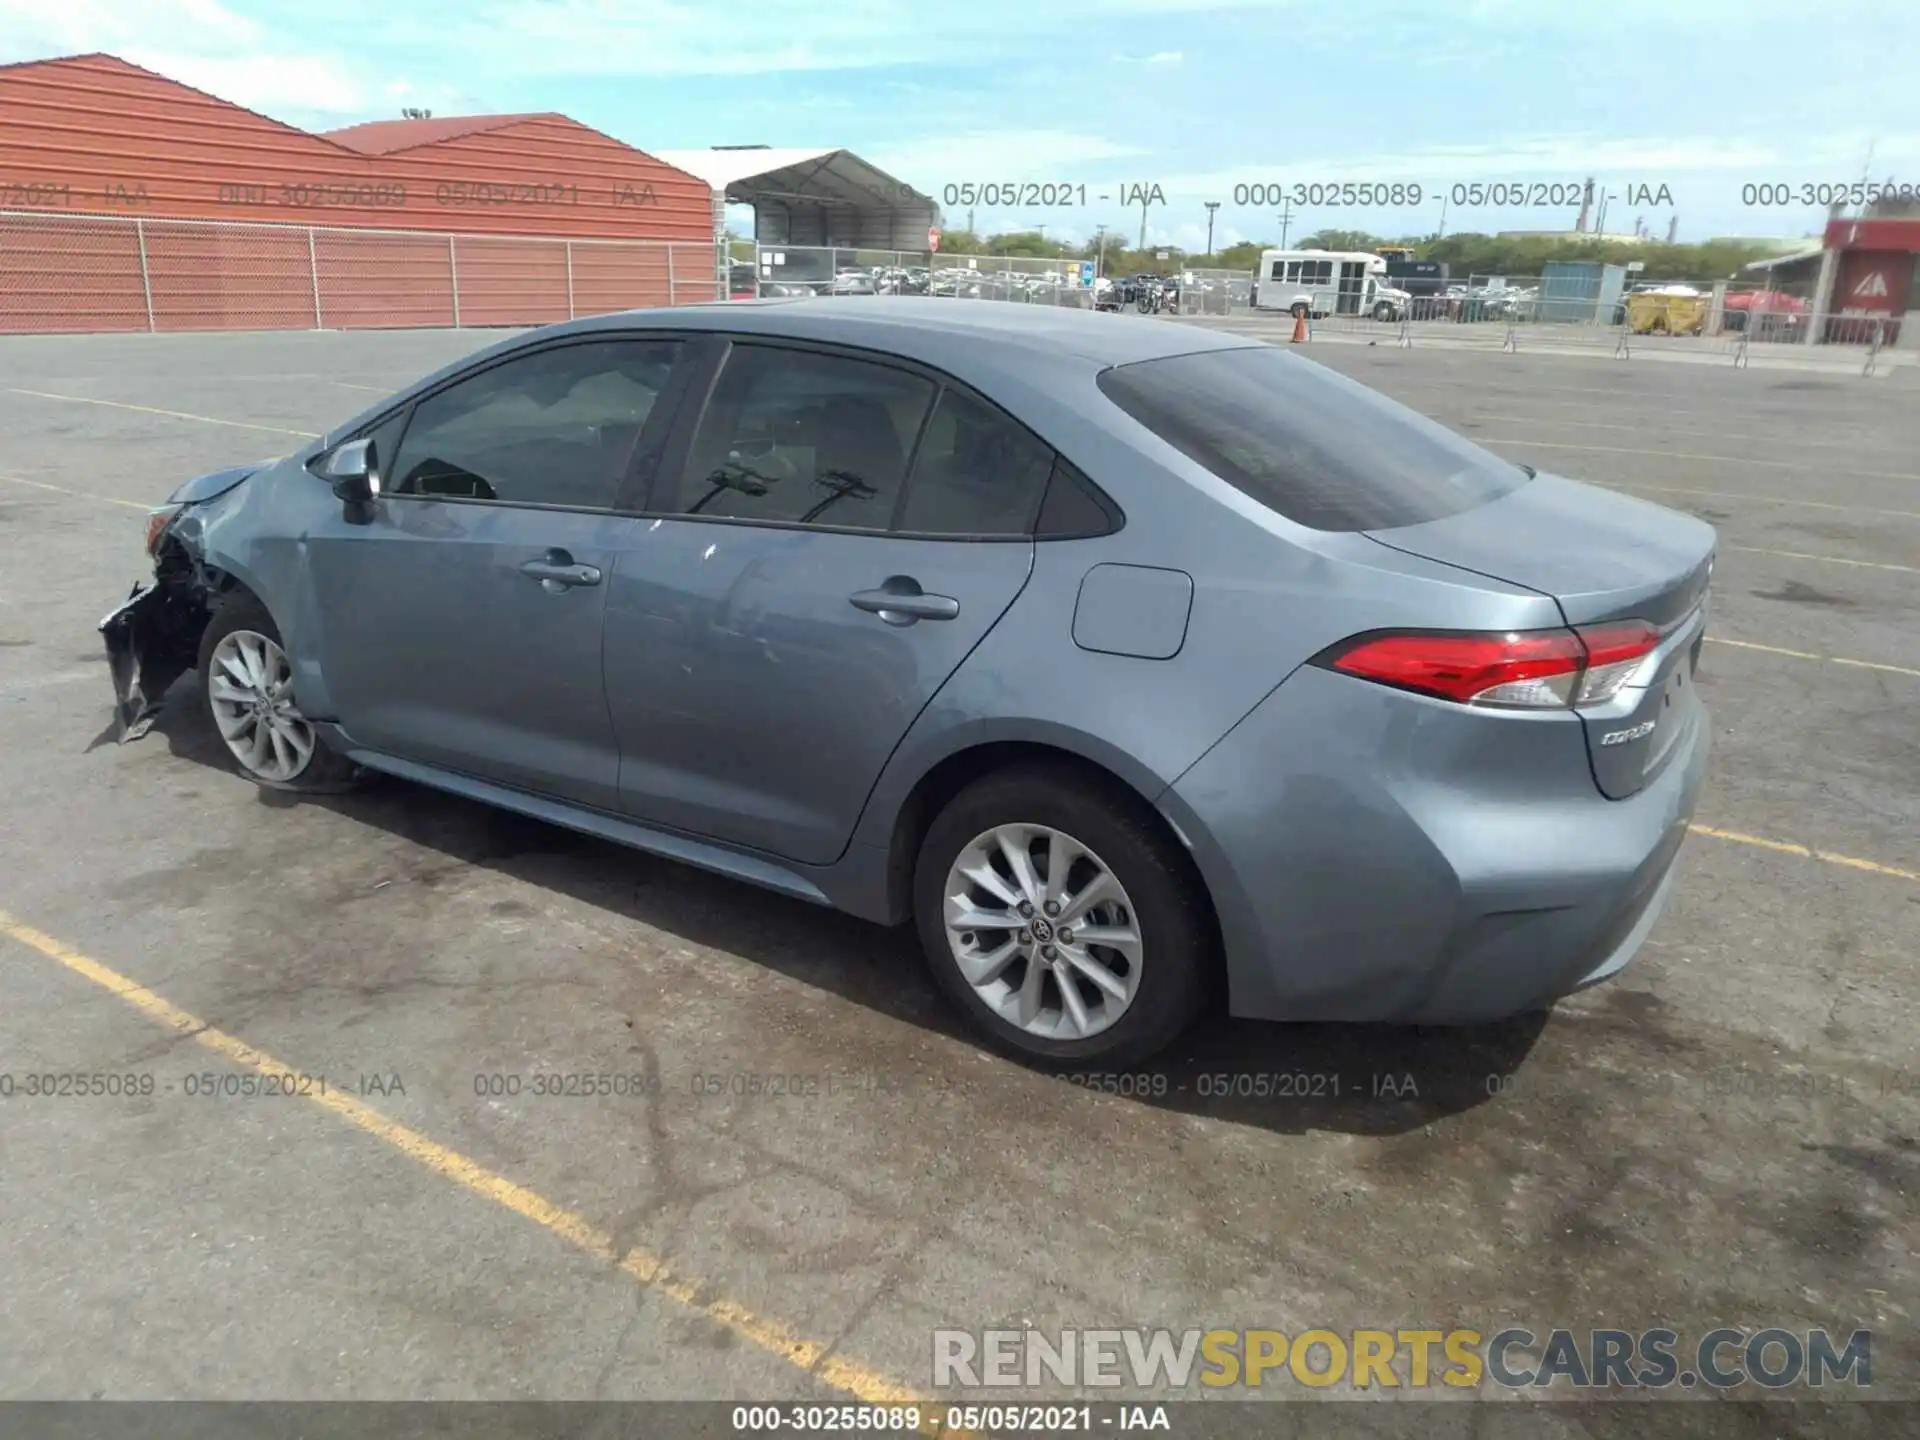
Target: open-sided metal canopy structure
x: 813, y: 197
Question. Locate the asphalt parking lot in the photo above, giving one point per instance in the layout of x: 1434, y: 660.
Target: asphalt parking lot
x: 1724, y: 1136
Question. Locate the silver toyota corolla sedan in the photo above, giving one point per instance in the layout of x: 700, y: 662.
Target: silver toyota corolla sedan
x: 1128, y: 661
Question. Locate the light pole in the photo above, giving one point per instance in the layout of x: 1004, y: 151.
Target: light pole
x: 1212, y: 205
x: 1100, y: 250
x: 1286, y: 219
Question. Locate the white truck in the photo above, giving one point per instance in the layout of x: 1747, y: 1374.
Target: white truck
x: 1319, y: 283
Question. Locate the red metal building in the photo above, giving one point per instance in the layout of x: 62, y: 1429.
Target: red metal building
x: 1875, y: 262
x: 131, y: 202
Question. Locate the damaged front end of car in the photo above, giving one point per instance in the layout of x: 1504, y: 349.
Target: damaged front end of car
x: 152, y: 640
x: 153, y: 637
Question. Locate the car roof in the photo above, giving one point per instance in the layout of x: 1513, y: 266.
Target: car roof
x: 930, y: 329
x: 1002, y: 349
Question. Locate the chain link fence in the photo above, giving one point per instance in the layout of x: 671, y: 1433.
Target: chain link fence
x: 1736, y: 319
x: 64, y: 273
x: 1214, y: 292
x: 809, y: 270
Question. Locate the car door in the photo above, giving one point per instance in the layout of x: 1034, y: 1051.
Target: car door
x: 461, y: 624
x: 797, y: 601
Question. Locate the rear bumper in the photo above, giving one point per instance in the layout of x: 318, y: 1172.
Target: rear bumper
x: 1378, y: 857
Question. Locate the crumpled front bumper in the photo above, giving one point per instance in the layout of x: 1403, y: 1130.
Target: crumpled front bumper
x: 152, y: 639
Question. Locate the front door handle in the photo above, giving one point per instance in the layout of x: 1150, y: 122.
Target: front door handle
x: 556, y: 571
x: 901, y: 601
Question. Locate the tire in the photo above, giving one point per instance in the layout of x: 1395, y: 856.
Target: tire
x: 1383, y: 312
x: 242, y: 633
x: 1166, y: 975
x: 1299, y: 310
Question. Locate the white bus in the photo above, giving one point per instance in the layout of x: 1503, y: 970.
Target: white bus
x: 1320, y: 283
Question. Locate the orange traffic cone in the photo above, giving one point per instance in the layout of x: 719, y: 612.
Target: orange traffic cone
x: 1299, y: 329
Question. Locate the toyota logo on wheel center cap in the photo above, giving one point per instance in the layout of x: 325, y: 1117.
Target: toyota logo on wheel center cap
x: 1042, y: 929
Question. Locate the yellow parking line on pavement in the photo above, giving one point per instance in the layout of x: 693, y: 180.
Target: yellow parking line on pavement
x: 1694, y: 455
x: 1764, y: 499
x: 156, y: 410
x: 811, y: 1356
x: 78, y: 494
x: 1809, y: 655
x: 1807, y: 852
x: 1824, y: 559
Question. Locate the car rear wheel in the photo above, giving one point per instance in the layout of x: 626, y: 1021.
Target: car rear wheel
x: 246, y: 680
x: 1299, y: 310
x: 1061, y: 921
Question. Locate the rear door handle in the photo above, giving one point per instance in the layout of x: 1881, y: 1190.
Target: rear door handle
x: 556, y: 571
x: 901, y: 601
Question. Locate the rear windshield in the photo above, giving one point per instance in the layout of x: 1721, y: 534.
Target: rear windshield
x: 1311, y: 445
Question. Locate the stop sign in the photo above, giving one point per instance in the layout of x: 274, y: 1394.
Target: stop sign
x: 933, y: 237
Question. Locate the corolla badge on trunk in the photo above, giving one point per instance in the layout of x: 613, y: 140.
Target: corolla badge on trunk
x: 1621, y: 737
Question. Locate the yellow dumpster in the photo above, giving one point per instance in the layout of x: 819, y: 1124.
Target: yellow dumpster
x: 1679, y: 310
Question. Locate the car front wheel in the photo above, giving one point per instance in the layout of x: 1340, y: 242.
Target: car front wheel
x: 246, y: 681
x: 1061, y: 920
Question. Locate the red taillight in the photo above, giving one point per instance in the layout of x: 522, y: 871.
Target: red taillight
x: 1614, y: 653
x: 1521, y: 669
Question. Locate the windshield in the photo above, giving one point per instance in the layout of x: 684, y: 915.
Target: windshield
x: 1320, y: 449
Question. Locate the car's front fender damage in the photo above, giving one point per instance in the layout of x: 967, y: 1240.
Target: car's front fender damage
x: 154, y: 637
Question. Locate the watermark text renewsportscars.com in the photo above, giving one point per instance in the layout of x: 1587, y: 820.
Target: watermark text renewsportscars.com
x: 1510, y: 1358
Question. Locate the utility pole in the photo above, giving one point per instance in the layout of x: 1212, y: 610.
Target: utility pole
x: 1212, y: 205
x: 1100, y: 250
x: 1286, y: 220
x: 1143, y: 223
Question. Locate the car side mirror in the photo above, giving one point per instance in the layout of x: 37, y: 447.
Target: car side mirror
x: 353, y: 470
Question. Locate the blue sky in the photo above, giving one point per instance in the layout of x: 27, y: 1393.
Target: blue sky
x: 1199, y: 97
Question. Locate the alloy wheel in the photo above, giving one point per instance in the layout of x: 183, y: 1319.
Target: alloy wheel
x: 250, y: 686
x: 1043, y: 931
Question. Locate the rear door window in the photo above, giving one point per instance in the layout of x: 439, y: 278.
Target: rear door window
x: 977, y: 472
x: 1309, y: 444
x: 793, y: 436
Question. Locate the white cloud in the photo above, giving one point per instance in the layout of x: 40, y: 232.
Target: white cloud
x: 213, y: 47
x: 277, y: 85
x: 677, y: 37
x: 1653, y: 161
x: 31, y: 29
x: 990, y: 156
x: 1159, y: 57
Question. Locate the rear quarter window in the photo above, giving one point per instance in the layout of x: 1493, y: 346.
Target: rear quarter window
x: 1309, y: 444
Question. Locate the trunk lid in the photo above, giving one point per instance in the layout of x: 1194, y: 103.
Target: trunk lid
x: 1602, y: 556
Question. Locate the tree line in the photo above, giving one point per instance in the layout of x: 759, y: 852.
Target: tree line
x: 1464, y: 254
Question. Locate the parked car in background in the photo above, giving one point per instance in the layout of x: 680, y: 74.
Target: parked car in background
x: 1130, y: 663
x: 956, y: 282
x: 1764, y: 314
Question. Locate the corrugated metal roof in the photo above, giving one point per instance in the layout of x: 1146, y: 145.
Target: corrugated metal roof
x: 831, y: 176
x: 814, y: 197
x: 384, y: 137
x: 1796, y: 258
x: 100, y: 136
x: 721, y: 168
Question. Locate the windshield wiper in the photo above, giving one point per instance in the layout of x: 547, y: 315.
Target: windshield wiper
x: 747, y: 481
x: 843, y: 483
